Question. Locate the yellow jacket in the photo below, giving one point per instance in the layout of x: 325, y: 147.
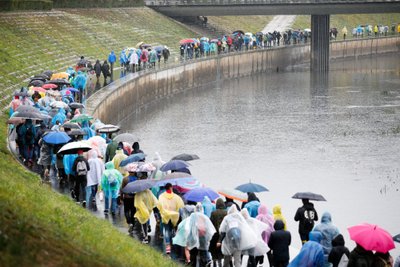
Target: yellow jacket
x: 119, y: 156
x: 145, y: 201
x: 169, y: 205
x: 278, y: 215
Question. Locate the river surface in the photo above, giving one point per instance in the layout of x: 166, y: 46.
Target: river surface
x: 339, y: 138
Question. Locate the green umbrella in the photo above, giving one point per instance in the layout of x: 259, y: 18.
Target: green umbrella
x: 82, y: 118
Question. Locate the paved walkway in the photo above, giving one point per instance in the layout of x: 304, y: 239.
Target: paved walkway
x: 279, y: 23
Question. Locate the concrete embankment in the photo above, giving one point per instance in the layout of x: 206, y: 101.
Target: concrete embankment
x: 128, y: 95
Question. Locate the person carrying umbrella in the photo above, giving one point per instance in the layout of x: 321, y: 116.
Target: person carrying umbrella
x: 81, y: 168
x: 252, y: 204
x: 328, y: 231
x: 306, y: 215
x: 110, y: 183
x: 169, y: 204
x: 129, y: 199
x: 111, y: 148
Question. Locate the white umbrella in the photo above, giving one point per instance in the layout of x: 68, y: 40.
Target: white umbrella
x: 74, y: 147
x: 108, y: 128
x: 59, y: 104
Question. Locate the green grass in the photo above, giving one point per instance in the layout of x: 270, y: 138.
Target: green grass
x: 39, y: 227
x: 245, y: 23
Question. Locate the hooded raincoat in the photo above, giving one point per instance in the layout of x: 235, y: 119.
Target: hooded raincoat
x: 328, y: 231
x: 258, y: 228
x: 279, y: 243
x: 145, y: 202
x: 238, y: 234
x: 277, y: 212
x: 252, y: 204
x: 208, y: 206
x: 96, y: 170
x: 111, y: 181
x: 119, y: 156
x: 169, y: 205
x: 311, y: 254
x: 265, y: 217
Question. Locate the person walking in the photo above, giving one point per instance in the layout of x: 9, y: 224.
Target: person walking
x: 216, y: 218
x: 169, y: 204
x: 144, y: 202
x: 265, y: 217
x: 328, y: 231
x: 279, y: 243
x: 311, y: 253
x: 97, y: 69
x: 27, y: 133
x: 252, y: 204
x: 81, y: 167
x: 277, y: 212
x: 112, y: 58
x: 338, y: 251
x: 133, y: 61
x: 110, y: 183
x: 306, y: 215
x: 105, y: 69
x: 344, y: 32
x: 96, y: 169
x: 129, y: 199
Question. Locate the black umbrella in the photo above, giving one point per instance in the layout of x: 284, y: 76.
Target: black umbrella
x: 397, y: 238
x: 76, y: 105
x: 27, y: 109
x: 174, y: 165
x: 138, y: 186
x: 309, y: 195
x: 36, y: 83
x: 186, y: 157
x: 238, y: 32
x: 53, y: 112
x: 19, y: 93
x: 71, y: 125
x: 74, y: 132
x: 48, y: 73
x: 74, y: 147
x: 58, y: 81
x: 29, y: 115
x: 39, y: 77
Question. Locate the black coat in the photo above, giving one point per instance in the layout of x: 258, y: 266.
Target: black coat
x: 105, y: 69
x: 279, y: 243
x: 300, y: 217
x: 97, y: 68
x: 359, y: 257
x: 338, y: 250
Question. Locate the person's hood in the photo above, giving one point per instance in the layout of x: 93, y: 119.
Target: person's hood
x: 277, y: 209
x: 232, y: 209
x: 97, y: 61
x: 109, y: 165
x: 326, y: 218
x: 263, y: 209
x: 252, y: 197
x: 279, y: 225
x: 315, y: 236
x: 93, y: 154
x: 245, y: 214
x: 135, y: 146
x: 199, y: 208
x: 206, y: 200
x: 220, y: 204
x: 338, y: 241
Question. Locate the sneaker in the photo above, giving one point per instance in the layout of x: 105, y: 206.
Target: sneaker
x: 105, y: 211
x: 130, y: 230
x: 148, y: 228
x: 73, y: 195
x: 145, y: 241
x: 84, y: 204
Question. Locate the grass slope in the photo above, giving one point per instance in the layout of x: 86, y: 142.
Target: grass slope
x: 39, y: 227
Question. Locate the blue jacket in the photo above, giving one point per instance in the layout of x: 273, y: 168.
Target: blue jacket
x: 112, y: 57
x: 311, y: 254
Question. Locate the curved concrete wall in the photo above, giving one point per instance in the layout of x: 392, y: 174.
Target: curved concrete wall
x: 128, y: 95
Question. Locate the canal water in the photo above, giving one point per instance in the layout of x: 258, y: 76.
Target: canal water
x: 338, y: 136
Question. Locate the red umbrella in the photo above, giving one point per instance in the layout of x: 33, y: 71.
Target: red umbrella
x: 49, y: 86
x: 39, y: 89
x: 186, y: 41
x: 371, y: 237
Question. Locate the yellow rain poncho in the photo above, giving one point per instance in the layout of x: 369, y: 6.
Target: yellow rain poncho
x: 169, y: 205
x: 60, y: 75
x: 145, y: 201
x: 119, y: 156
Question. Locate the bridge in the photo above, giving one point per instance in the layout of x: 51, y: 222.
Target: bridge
x: 320, y: 11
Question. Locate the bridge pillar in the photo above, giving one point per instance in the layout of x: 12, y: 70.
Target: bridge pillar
x: 320, y: 43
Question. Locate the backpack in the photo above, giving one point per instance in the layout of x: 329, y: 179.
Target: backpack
x: 234, y: 235
x: 29, y: 135
x: 112, y: 180
x: 309, y: 216
x: 81, y: 168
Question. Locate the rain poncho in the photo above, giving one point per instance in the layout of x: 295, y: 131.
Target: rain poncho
x: 89, y: 132
x: 252, y: 204
x: 145, y: 201
x: 68, y: 161
x: 111, y: 57
x: 111, y: 180
x: 95, y: 172
x: 238, y: 234
x: 277, y: 212
x: 208, y: 206
x: 197, y: 230
x: 60, y: 116
x: 258, y: 228
x: 311, y: 254
x: 169, y: 205
x: 157, y: 163
x: 265, y: 217
x: 80, y: 81
x: 119, y: 156
x: 328, y: 231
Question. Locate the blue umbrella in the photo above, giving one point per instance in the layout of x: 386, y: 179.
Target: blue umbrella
x: 56, y: 138
x: 198, y: 194
x: 250, y: 187
x: 174, y: 165
x: 138, y: 186
x: 132, y: 158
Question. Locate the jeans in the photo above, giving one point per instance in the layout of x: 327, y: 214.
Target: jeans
x: 168, y: 235
x: 107, y: 197
x: 90, y: 194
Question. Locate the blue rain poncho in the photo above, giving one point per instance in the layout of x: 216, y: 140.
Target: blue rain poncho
x: 68, y: 161
x: 238, y: 234
x: 80, y: 81
x: 208, y: 206
x: 311, y: 254
x: 196, y: 231
x: 89, y: 132
x: 328, y: 231
x: 111, y: 57
x: 60, y: 116
x: 258, y: 228
x: 111, y: 180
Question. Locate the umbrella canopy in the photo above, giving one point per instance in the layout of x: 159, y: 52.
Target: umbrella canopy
x: 371, y: 237
x: 75, y: 132
x: 81, y: 118
x: 72, y: 89
x: 204, y: 39
x: 59, y: 75
x: 174, y: 165
x: 214, y: 41
x: 41, y: 77
x: 15, y: 120
x: 145, y: 46
x: 397, y: 238
x: 74, y: 147
x: 198, y: 194
x: 76, y: 105
x: 126, y: 137
x: 176, y: 175
x: 308, y: 195
x: 71, y: 125
x: 37, y: 83
x: 132, y: 158
x: 39, y: 89
x: 145, y: 167
x: 27, y: 108
x: 251, y: 187
x: 158, y: 48
x: 238, y: 32
x: 186, y: 41
x: 58, y: 104
x: 29, y: 115
x: 59, y: 81
x: 185, y: 157
x: 108, y: 128
x: 49, y: 86
x: 186, y: 185
x: 138, y: 186
x: 233, y: 194
x: 175, y: 178
x: 56, y: 138
x: 138, y: 45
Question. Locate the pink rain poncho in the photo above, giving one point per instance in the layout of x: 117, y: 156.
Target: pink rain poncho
x: 265, y: 217
x: 238, y: 234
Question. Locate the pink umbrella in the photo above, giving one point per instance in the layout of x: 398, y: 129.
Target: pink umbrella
x: 39, y: 89
x: 49, y: 86
x: 371, y: 237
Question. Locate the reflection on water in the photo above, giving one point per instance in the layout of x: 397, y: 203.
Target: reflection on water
x: 292, y: 131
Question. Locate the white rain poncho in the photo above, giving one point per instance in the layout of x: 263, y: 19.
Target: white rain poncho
x: 258, y: 228
x: 238, y: 234
x: 196, y: 231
